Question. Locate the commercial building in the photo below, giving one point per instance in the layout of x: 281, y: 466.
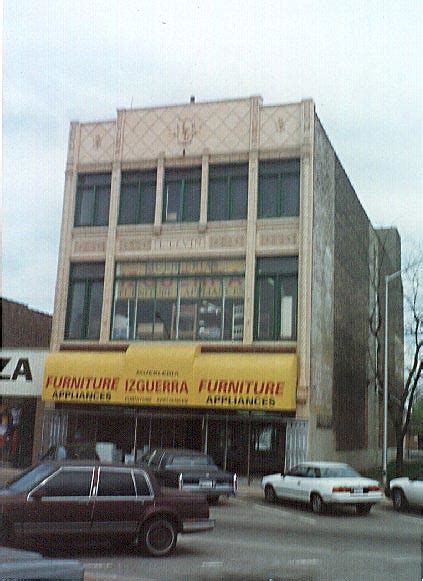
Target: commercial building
x: 25, y: 345
x: 214, y: 289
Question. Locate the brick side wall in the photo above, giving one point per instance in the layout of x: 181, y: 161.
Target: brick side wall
x: 322, y: 344
x: 24, y: 327
x: 351, y: 318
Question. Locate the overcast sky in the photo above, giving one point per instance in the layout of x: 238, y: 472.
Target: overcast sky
x: 65, y: 60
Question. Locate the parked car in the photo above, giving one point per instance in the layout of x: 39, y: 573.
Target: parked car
x: 58, y: 500
x: 406, y: 491
x: 192, y: 471
x: 78, y: 451
x: 324, y: 483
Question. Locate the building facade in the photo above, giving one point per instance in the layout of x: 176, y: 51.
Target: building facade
x: 25, y: 345
x: 214, y: 288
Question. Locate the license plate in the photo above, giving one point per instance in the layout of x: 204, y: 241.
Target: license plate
x: 206, y: 483
x: 357, y: 491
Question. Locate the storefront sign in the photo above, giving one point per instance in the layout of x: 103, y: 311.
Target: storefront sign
x: 21, y: 372
x: 174, y: 376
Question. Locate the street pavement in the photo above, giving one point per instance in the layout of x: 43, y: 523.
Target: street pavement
x: 255, y: 541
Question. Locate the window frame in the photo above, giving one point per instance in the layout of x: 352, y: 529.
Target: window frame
x: 278, y: 168
x: 229, y: 307
x: 183, y: 177
x: 64, y: 470
x: 88, y: 282
x: 279, y: 277
x: 141, y: 178
x: 227, y: 173
x: 81, y: 187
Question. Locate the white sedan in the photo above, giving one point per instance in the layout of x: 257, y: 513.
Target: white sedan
x: 407, y: 491
x: 324, y: 483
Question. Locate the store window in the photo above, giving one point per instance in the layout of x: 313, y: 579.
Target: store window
x: 279, y: 188
x: 228, y: 192
x: 182, y: 193
x: 276, y: 298
x: 179, y: 300
x: 137, y: 197
x: 93, y: 199
x: 85, y: 301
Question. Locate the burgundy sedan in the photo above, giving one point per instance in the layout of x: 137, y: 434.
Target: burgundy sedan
x: 122, y: 503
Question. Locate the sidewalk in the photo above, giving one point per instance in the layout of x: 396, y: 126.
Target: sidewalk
x: 251, y: 490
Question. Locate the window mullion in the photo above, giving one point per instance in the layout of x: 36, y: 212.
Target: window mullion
x: 280, y: 202
x: 229, y: 197
x: 181, y: 209
x: 85, y: 310
x: 94, y: 216
x: 139, y: 204
x: 278, y: 306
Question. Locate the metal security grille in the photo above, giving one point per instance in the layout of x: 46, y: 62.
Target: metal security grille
x: 55, y: 427
x: 296, y: 442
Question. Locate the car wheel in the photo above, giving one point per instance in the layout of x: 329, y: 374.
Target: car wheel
x: 317, y: 504
x: 212, y: 500
x: 363, y: 509
x: 398, y: 499
x: 269, y: 494
x: 159, y: 537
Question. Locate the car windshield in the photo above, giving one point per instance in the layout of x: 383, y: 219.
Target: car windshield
x: 339, y: 472
x: 192, y: 461
x: 26, y: 481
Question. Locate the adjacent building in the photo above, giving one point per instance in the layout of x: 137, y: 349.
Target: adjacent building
x: 25, y: 345
x: 216, y: 278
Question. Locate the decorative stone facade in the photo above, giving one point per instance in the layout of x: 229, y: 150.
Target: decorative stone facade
x: 331, y: 237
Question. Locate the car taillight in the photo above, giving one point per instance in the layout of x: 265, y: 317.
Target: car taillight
x: 342, y: 489
x: 180, y: 481
x: 235, y: 483
x: 375, y: 488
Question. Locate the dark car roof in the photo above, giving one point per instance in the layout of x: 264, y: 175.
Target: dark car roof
x: 90, y: 463
x: 179, y: 451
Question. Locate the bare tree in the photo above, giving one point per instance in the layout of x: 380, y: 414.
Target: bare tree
x: 400, y: 400
x: 413, y: 332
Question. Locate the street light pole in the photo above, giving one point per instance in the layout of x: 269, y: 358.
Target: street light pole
x: 388, y: 279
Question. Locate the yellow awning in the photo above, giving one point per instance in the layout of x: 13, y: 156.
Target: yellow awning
x: 180, y: 375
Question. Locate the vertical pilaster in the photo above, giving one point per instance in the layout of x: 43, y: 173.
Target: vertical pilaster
x: 109, y: 266
x: 68, y: 215
x: 159, y: 195
x: 305, y: 259
x: 250, y: 259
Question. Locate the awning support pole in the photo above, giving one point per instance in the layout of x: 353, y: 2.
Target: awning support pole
x: 225, y: 458
x: 134, y: 449
x: 249, y: 448
x: 206, y: 435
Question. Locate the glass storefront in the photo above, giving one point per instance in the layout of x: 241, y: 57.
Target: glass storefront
x: 249, y: 443
x: 17, y: 418
x: 179, y: 300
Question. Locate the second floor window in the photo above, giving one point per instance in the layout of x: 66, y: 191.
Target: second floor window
x: 228, y: 192
x: 93, y: 199
x: 193, y: 300
x: 85, y: 301
x: 182, y: 193
x: 276, y: 298
x: 279, y: 188
x: 137, y: 197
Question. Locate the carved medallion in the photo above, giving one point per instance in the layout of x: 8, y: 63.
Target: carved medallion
x: 185, y: 130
